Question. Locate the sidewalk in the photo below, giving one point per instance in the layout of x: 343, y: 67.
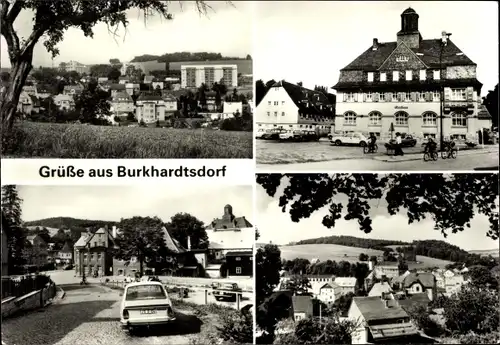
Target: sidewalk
x: 419, y: 156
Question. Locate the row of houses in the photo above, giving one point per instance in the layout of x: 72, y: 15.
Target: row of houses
x: 417, y: 86
x: 229, y: 253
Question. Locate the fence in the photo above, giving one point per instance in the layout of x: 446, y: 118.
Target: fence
x: 20, y: 286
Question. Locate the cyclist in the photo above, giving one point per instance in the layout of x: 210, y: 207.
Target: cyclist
x: 373, y: 140
x: 430, y: 146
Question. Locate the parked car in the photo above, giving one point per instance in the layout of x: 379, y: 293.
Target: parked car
x: 68, y: 267
x: 408, y: 141
x: 145, y: 304
x: 349, y: 139
x: 226, y: 291
x: 260, y: 132
x: 291, y: 135
x: 273, y: 134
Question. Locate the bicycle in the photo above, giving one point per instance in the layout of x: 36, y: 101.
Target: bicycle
x: 430, y: 156
x: 449, y: 152
x: 370, y: 148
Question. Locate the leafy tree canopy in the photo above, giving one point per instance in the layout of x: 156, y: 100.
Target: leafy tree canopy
x: 268, y: 266
x: 450, y: 200
x: 182, y: 225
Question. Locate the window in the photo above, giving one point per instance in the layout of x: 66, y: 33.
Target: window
x: 395, y: 75
x: 381, y: 97
x: 459, y: 120
x: 269, y: 103
x: 282, y: 102
x: 275, y: 113
x: 276, y: 102
x: 429, y: 119
x: 408, y: 75
x: 383, y: 76
x: 458, y: 94
x: 369, y: 96
x: 350, y: 118
x: 407, y: 96
x: 349, y: 97
x: 421, y: 96
x: 436, y: 74
x: 401, y: 118
x: 375, y: 118
x: 282, y: 113
x: 238, y: 270
x: 436, y: 95
x: 238, y: 258
x: 423, y: 74
x: 370, y: 76
x: 394, y: 96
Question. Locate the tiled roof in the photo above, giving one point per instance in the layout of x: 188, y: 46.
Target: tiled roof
x: 483, y: 113
x: 379, y: 288
x: 302, y: 304
x: 83, y: 240
x: 310, y: 101
x: 329, y: 286
x: 428, y: 51
x: 404, y: 85
x: 66, y: 248
x: 172, y: 244
x: 149, y: 97
x: 242, y: 253
x: 418, y: 299
x: 373, y: 308
x: 117, y: 87
x: 236, y: 222
x: 345, y: 281
x: 426, y: 279
x: 120, y: 96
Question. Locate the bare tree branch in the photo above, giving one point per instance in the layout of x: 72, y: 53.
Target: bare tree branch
x: 7, y: 31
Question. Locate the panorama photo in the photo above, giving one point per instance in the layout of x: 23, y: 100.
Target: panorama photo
x: 128, y: 79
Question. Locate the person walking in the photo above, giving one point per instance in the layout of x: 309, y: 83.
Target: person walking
x: 399, y: 149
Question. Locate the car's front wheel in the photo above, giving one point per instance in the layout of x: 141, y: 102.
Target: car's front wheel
x: 338, y: 142
x: 362, y: 143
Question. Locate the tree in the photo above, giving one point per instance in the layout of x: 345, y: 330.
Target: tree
x: 472, y: 309
x: 491, y: 103
x: 140, y: 237
x: 92, y: 105
x: 373, y: 259
x: 237, y: 327
x: 51, y: 20
x: 131, y: 117
x: 11, y: 215
x: 363, y: 257
x: 44, y: 234
x: 202, y: 98
x: 450, y: 200
x: 182, y: 225
x: 314, y: 331
x: 343, y: 303
x: 114, y: 74
x: 482, y: 277
x: 115, y: 62
x: 267, y: 267
x: 300, y: 83
x: 420, y: 316
x: 299, y: 284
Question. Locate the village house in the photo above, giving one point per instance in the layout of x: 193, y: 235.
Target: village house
x: 157, y: 85
x: 132, y: 89
x: 302, y: 307
x: 329, y: 293
x: 239, y: 264
x: 93, y: 253
x: 124, y: 80
x: 379, y: 289
x: 65, y: 255
x: 170, y: 103
x: 72, y: 90
x: 420, y: 282
x: 122, y: 103
x: 64, y: 102
x: 150, y: 108
x: 230, y: 234
x: 102, y: 80
x: 380, y: 319
x: 116, y: 88
x: 320, y: 278
x: 292, y: 107
x: 454, y: 284
x: 347, y: 284
x: 28, y: 103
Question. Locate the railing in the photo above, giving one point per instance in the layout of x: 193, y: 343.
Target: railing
x: 20, y: 286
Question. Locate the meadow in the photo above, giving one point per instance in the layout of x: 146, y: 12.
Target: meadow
x: 338, y: 253
x: 55, y: 140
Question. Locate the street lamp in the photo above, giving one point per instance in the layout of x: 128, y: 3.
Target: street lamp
x: 444, y: 42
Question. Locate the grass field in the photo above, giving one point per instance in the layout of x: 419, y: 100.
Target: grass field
x: 52, y: 140
x: 337, y: 253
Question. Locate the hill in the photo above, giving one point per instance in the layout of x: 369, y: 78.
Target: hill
x: 486, y: 252
x: 352, y: 241
x: 67, y: 223
x: 185, y: 56
x: 337, y: 253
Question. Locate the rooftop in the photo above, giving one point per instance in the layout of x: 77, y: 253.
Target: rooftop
x: 302, y: 304
x: 373, y: 308
x: 310, y: 101
x: 428, y: 280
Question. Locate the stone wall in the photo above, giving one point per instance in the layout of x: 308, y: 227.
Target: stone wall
x: 33, y: 300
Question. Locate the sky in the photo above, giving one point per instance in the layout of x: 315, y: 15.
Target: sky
x: 310, y: 41
x: 226, y: 29
x: 277, y: 227
x: 111, y: 203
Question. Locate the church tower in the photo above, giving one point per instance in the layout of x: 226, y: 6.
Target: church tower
x: 409, y: 33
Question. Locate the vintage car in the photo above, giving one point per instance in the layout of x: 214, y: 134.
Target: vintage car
x: 226, y: 291
x: 349, y: 139
x: 272, y: 134
x: 259, y: 133
x: 291, y: 135
x: 408, y: 141
x: 145, y: 303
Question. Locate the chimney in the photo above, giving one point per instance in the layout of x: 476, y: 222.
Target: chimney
x: 444, y: 37
x: 375, y: 44
x: 114, y: 231
x: 189, y: 242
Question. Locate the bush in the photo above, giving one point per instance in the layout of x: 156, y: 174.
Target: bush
x: 237, y: 327
x: 420, y: 315
x: 473, y: 338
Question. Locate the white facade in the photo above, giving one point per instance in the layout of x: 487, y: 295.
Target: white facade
x: 64, y: 102
x: 277, y: 110
x: 150, y: 111
x: 77, y: 67
x: 328, y: 294
x: 192, y: 76
x: 232, y: 107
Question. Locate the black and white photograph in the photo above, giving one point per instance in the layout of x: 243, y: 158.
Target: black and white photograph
x: 126, y: 79
x: 127, y: 265
x: 377, y: 259
x: 376, y: 86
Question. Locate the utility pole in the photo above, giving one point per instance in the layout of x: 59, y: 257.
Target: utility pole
x: 441, y: 96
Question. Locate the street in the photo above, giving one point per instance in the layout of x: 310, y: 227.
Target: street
x: 89, y: 314
x: 320, y: 156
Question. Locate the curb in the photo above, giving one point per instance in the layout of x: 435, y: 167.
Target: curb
x: 391, y: 159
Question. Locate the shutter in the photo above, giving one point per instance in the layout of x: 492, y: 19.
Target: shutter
x: 428, y: 96
x: 388, y: 97
x: 413, y: 96
x: 400, y: 97
x: 345, y: 96
x: 417, y: 96
x: 355, y: 97
x: 376, y: 96
x: 364, y: 97
x: 447, y: 94
x: 470, y: 93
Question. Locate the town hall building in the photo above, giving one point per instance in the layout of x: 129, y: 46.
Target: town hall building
x: 402, y: 85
